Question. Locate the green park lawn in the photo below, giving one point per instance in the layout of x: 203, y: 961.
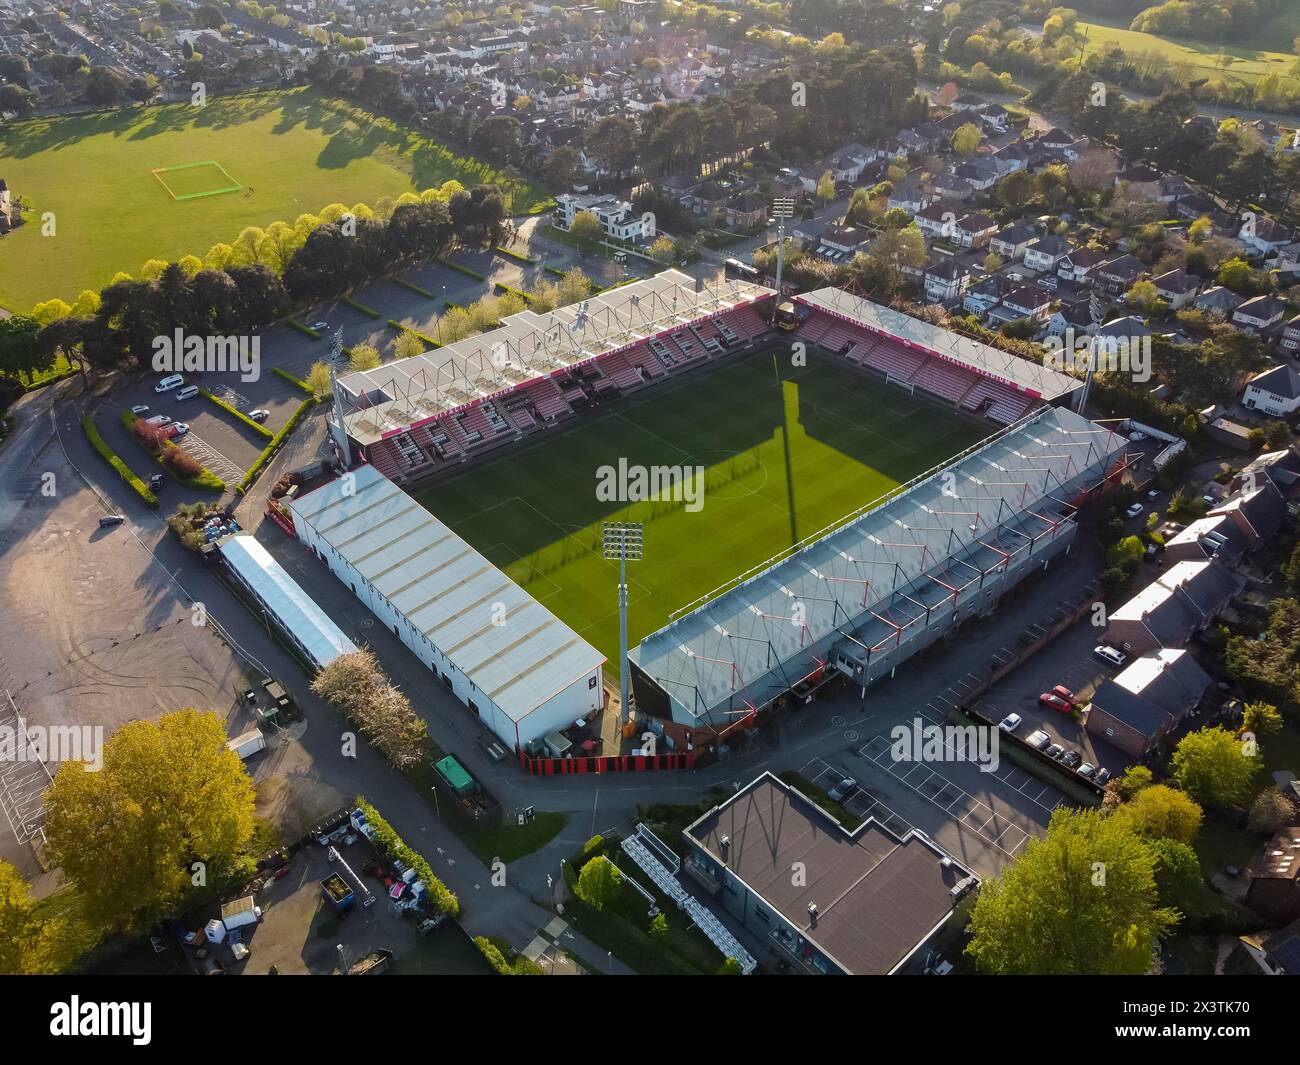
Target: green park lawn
x: 787, y: 451
x: 299, y: 151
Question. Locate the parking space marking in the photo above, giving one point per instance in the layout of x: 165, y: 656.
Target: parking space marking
x: 861, y: 803
x: 210, y: 457
x: 943, y: 793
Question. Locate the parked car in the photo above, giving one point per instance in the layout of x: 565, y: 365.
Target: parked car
x: 1064, y: 693
x: 181, y: 428
x: 1038, y: 740
x: 140, y: 408
x: 1102, y: 776
x: 1133, y: 510
x: 109, y: 520
x: 1055, y: 702
x: 842, y: 790
x: 1054, y: 751
x: 1010, y: 723
x: 259, y: 415
x: 1109, y: 655
x: 1209, y: 501
x: 1071, y: 758
x: 1154, y: 493
x: 320, y: 326
x: 158, y: 419
x: 1087, y: 770
x: 155, y: 482
x: 168, y: 383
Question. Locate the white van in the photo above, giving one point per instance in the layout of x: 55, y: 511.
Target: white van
x: 168, y: 383
x: 188, y: 392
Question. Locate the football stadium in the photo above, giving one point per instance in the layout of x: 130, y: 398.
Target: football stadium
x: 838, y: 497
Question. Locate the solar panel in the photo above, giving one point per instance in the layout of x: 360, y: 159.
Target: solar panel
x: 1288, y: 956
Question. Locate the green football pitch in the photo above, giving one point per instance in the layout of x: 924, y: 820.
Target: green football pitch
x: 107, y: 191
x: 787, y: 450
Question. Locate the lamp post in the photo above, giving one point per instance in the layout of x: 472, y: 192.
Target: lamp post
x: 622, y: 540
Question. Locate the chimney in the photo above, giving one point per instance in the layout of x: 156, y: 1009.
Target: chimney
x: 812, y: 914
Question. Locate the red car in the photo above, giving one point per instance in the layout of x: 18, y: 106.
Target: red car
x: 1054, y: 702
x: 1064, y: 693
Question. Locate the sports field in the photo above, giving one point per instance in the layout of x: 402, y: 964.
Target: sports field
x: 787, y: 451
x: 289, y: 153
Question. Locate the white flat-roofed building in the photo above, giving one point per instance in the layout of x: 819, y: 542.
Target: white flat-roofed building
x: 512, y: 662
x: 296, y: 614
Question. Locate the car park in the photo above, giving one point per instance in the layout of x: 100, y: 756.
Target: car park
x: 1109, y: 655
x: 168, y: 383
x: 1071, y: 759
x: 1054, y: 702
x: 1134, y: 509
x: 1038, y: 740
x: 1010, y: 723
x: 1054, y: 751
x: 846, y: 787
x: 259, y: 415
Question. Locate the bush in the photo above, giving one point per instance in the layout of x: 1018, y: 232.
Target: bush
x: 305, y: 330
x: 261, y: 430
x: 393, y: 846
x: 180, y: 463
x: 462, y: 269
x: 515, y: 256
x: 414, y: 288
x: 507, y: 290
x: 274, y: 445
x: 369, y: 312
x: 292, y: 380
x: 123, y: 470
x: 394, y: 324
x: 519, y: 966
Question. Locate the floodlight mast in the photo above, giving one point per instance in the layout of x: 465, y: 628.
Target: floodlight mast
x: 622, y: 541
x: 782, y: 208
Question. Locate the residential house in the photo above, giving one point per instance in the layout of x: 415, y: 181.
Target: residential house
x: 950, y: 187
x: 974, y: 230
x: 1147, y: 699
x: 1045, y: 253
x: 1071, y: 316
x: 1274, y: 877
x: 945, y: 280
x: 1218, y: 301
x: 911, y: 197
x: 617, y: 217
x: 1262, y: 314
x: 1010, y: 243
x: 937, y: 221
x: 1078, y: 265
x: 745, y: 211
x: 1265, y: 236
x: 986, y: 294
x: 969, y: 102
x: 1274, y: 392
x: 1276, y: 953
x: 1182, y: 601
x: 1141, y: 181
x: 1116, y: 276
x: 1214, y: 536
x: 1176, y: 288
x: 1024, y: 301
x: 982, y: 174
x: 1289, y: 341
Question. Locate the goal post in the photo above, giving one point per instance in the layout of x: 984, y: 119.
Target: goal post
x: 898, y: 382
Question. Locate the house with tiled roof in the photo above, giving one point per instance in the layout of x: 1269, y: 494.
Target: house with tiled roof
x: 1170, y: 610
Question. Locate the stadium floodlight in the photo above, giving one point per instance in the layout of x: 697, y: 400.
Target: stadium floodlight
x: 623, y: 541
x: 782, y: 208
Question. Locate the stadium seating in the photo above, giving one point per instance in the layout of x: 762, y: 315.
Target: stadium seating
x: 547, y: 399
x: 944, y: 379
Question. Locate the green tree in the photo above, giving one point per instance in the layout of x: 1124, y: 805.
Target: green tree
x: 1082, y: 900
x: 659, y: 926
x: 1179, y: 883
x: 1135, y: 778
x: 1214, y: 767
x: 406, y: 345
x: 599, y: 881
x: 1162, y: 812
x: 731, y: 967
x: 1261, y: 718
x: 1128, y: 551
x: 966, y: 139
x: 1292, y: 569
x: 364, y: 357
x: 826, y: 187
x: 586, y: 229
x: 1270, y: 811
x: 171, y: 808
x: 318, y: 379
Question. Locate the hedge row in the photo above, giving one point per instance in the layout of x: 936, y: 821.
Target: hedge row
x: 306, y: 330
x: 109, y: 456
x: 394, y: 847
x: 515, y: 256
x: 554, y: 270
x: 292, y: 380
x: 451, y: 305
x: 205, y: 477
x: 414, y: 288
x: 274, y: 445
x: 463, y: 270
x: 369, y: 312
x: 414, y: 332
x: 262, y: 430
x: 506, y: 290
x: 497, y: 959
